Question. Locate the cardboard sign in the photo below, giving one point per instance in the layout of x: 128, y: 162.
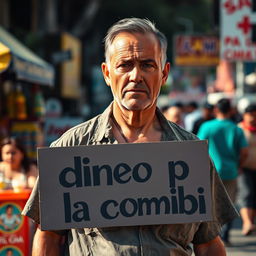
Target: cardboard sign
x: 124, y: 184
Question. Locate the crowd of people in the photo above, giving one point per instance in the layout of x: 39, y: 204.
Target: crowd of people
x: 231, y: 138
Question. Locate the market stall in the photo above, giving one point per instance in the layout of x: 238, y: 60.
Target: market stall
x: 22, y: 75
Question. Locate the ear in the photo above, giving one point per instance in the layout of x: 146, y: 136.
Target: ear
x: 105, y: 71
x: 165, y: 72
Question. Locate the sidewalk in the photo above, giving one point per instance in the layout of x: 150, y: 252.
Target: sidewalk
x: 242, y: 245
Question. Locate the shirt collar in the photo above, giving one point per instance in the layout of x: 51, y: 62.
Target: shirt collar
x: 103, y: 130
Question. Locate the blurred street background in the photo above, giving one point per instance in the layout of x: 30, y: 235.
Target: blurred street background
x: 50, y: 66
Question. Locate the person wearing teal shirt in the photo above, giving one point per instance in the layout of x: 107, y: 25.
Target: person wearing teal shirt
x: 227, y: 148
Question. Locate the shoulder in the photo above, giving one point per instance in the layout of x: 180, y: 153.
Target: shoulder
x: 208, y: 124
x: 181, y: 133
x: 79, y: 133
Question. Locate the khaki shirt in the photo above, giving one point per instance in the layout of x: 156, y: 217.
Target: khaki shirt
x: 161, y: 240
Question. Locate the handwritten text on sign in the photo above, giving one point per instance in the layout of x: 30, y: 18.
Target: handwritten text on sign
x: 124, y: 184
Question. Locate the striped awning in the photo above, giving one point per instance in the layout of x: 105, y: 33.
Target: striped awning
x: 26, y: 64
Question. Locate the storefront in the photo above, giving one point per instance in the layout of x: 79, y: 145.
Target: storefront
x: 22, y: 76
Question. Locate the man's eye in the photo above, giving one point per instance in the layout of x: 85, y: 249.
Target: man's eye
x: 124, y: 65
x: 147, y: 65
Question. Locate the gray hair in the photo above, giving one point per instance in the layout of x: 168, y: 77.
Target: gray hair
x: 135, y: 25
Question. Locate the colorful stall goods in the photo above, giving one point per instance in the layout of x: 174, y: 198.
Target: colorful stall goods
x: 39, y: 104
x: 14, y: 228
x: 16, y: 104
x: 28, y: 132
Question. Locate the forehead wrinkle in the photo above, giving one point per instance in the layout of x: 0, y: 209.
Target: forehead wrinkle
x: 124, y: 49
x: 125, y: 46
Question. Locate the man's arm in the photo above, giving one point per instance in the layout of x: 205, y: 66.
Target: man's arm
x: 46, y: 243
x: 212, y: 248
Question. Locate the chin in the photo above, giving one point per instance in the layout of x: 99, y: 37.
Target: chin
x: 134, y: 105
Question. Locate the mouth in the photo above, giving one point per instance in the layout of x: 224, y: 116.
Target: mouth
x: 136, y: 89
x: 135, y: 93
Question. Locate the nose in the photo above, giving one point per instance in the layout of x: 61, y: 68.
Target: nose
x: 136, y: 75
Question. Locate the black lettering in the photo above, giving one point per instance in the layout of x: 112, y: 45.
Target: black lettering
x: 172, y: 172
x: 118, y: 174
x: 76, y: 172
x: 137, y: 176
x: 124, y: 205
x: 147, y: 203
x: 81, y: 214
x: 104, y: 209
x: 96, y: 174
x: 185, y: 200
x: 67, y: 207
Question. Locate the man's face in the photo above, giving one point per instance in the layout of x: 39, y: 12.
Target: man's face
x: 134, y: 71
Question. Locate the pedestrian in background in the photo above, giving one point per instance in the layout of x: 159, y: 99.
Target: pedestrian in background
x: 16, y: 170
x: 193, y: 112
x: 228, y: 149
x: 247, y: 178
x: 174, y: 114
x: 207, y: 115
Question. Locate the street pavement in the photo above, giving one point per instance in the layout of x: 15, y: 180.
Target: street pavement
x: 242, y: 245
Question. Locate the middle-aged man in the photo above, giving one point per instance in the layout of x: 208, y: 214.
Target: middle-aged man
x: 135, y: 69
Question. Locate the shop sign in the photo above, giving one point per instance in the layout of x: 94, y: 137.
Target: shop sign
x: 124, y: 185
x: 238, y: 30
x: 55, y: 127
x: 192, y: 50
x: 32, y: 72
x: 29, y: 133
x: 71, y: 70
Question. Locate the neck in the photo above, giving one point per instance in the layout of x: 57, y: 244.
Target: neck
x: 223, y: 116
x: 136, y: 126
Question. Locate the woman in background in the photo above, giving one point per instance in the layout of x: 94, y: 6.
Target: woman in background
x: 15, y: 168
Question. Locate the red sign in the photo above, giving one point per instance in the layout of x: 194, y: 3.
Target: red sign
x: 238, y: 21
x: 196, y: 50
x: 14, y: 228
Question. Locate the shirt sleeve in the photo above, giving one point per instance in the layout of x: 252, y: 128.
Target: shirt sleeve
x: 203, y: 132
x: 223, y: 211
x: 243, y: 141
x: 31, y: 208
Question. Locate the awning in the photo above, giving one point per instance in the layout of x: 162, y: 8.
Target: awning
x: 26, y: 64
x: 5, y: 57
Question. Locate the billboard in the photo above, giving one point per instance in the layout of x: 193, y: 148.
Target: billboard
x: 193, y: 50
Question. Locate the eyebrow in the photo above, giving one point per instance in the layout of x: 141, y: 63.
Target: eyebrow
x: 148, y: 60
